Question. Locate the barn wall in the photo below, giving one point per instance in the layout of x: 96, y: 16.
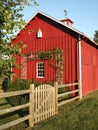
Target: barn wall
x: 68, y: 45
x: 89, y: 68
x: 54, y: 36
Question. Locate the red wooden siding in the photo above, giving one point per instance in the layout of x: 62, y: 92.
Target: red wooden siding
x: 69, y: 54
x: 56, y: 36
x: 68, y: 45
x: 89, y: 68
x: 53, y: 36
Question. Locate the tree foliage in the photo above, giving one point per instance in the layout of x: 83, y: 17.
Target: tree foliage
x: 10, y: 22
x: 96, y: 36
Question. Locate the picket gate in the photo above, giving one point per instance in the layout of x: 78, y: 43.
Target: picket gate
x: 44, y: 102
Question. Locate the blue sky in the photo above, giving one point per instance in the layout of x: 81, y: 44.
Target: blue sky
x: 84, y: 13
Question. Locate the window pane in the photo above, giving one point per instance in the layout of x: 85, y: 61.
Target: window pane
x: 40, y: 69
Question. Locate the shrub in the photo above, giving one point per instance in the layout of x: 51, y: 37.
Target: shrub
x: 16, y: 85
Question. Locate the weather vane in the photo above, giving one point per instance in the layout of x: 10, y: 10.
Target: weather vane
x: 65, y: 12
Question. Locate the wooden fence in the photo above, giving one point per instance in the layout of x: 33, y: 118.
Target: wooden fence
x: 42, y: 104
x: 12, y: 109
x: 73, y: 92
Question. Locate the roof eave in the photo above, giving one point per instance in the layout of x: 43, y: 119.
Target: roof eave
x: 56, y: 20
x: 71, y: 28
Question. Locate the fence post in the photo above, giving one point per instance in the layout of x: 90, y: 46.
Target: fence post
x: 56, y: 97
x: 31, y: 108
x: 80, y: 90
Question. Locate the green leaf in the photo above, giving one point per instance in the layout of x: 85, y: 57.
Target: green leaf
x: 11, y: 21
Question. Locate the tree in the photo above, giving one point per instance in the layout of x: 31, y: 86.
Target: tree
x: 10, y: 22
x: 96, y: 36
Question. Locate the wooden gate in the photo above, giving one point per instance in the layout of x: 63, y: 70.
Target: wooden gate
x: 44, y: 102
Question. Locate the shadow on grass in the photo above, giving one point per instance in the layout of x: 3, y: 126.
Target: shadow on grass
x: 13, y: 115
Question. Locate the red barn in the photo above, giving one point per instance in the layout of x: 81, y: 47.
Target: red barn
x: 44, y: 35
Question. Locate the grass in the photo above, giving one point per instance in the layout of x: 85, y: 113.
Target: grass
x: 10, y: 116
x: 77, y: 115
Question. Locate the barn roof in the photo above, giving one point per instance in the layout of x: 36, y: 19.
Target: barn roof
x: 63, y: 24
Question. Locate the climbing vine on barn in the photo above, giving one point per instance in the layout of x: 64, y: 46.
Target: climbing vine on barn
x: 56, y: 54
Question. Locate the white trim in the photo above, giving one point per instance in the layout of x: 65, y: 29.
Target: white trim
x: 65, y: 25
x: 80, y: 66
x: 58, y: 21
x: 37, y: 69
x: 54, y: 19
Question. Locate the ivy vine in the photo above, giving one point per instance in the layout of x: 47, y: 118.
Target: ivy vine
x: 57, y: 55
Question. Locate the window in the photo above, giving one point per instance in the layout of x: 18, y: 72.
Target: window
x: 39, y: 33
x: 40, y: 70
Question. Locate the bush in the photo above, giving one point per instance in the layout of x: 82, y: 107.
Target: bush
x: 16, y: 85
x: 20, y: 84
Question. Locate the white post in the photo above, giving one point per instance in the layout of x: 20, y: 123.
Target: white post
x: 80, y: 68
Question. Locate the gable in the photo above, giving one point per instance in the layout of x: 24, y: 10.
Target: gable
x: 50, y: 27
x: 47, y: 26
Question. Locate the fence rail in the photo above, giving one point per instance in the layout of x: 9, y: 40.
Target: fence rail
x: 12, y: 109
x: 71, y: 91
x: 68, y: 85
x: 15, y: 93
x: 67, y: 93
x: 43, y: 102
x: 12, y: 123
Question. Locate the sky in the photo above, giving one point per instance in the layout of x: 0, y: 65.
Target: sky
x: 84, y: 13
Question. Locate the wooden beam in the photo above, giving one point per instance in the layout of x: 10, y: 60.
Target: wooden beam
x: 67, y: 93
x: 8, y: 110
x: 66, y: 101
x: 15, y: 93
x: 68, y: 85
x: 55, y: 97
x: 31, y: 108
x: 7, y: 125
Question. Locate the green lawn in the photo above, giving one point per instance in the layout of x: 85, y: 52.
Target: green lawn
x: 77, y: 115
x: 10, y: 117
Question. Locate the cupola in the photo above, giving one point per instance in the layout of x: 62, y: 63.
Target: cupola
x: 67, y: 21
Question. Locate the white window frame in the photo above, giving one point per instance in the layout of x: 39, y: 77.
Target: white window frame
x: 39, y: 33
x: 38, y: 68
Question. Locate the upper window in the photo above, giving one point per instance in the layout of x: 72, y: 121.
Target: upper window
x: 39, y: 33
x: 40, y: 70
